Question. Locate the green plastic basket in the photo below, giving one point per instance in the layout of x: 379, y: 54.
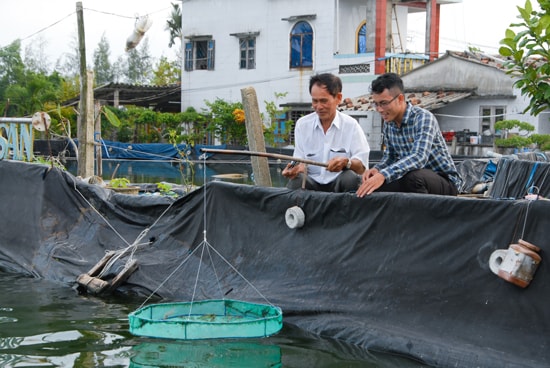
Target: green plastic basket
x: 206, y: 319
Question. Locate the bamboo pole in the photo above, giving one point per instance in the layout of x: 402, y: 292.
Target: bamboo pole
x: 264, y: 154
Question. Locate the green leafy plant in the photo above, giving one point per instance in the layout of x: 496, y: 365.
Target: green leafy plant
x: 507, y: 125
x: 119, y: 183
x: 542, y: 141
x: 517, y: 140
x: 185, y: 163
x: 223, y: 123
x: 279, y: 130
x: 514, y: 141
x: 527, y: 53
x: 52, y: 161
x: 165, y: 189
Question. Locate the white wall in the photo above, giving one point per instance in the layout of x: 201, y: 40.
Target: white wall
x: 334, y: 44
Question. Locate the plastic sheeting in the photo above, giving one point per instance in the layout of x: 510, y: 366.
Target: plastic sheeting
x: 516, y: 178
x: 393, y: 272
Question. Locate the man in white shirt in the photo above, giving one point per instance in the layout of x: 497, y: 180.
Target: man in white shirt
x: 331, y: 137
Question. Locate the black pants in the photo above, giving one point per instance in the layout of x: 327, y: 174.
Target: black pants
x: 347, y: 181
x: 421, y: 181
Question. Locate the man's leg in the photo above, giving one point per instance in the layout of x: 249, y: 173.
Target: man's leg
x: 347, y: 181
x: 427, y: 181
x: 421, y: 181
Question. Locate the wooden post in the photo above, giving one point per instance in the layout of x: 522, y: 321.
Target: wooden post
x: 86, y: 145
x: 97, y: 136
x: 85, y: 164
x: 255, y: 134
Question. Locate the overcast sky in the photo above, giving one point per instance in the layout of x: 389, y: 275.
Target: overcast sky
x: 480, y: 23
x: 55, y: 23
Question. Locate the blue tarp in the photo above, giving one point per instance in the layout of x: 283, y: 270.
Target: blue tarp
x: 148, y: 151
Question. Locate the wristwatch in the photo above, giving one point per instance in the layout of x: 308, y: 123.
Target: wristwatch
x: 348, y: 165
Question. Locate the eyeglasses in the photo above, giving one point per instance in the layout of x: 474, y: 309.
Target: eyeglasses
x: 382, y: 104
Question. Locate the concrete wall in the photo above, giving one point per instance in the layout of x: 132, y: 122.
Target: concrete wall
x: 450, y: 72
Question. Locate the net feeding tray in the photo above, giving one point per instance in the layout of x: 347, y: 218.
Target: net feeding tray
x: 206, y: 319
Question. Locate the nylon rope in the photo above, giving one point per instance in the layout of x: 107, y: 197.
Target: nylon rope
x: 133, y: 247
x: 205, y: 246
x: 529, y: 189
x: 525, y: 219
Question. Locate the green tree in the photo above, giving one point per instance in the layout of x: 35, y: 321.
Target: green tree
x: 11, y: 63
x: 103, y: 70
x: 119, y: 69
x: 33, y: 91
x: 520, y: 140
x: 139, y: 64
x: 186, y: 127
x: 174, y: 24
x: 224, y: 124
x: 68, y: 65
x: 166, y: 72
x: 36, y: 59
x: 528, y: 52
x: 12, y: 71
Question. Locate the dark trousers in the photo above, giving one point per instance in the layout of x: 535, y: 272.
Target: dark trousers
x: 421, y: 181
x: 347, y: 181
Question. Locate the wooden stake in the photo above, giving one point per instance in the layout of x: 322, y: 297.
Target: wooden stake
x: 255, y: 134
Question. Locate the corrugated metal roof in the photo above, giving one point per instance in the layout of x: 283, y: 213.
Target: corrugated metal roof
x: 430, y: 100
x: 162, y: 98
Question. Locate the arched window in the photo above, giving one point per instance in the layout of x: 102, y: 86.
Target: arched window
x: 301, y: 46
x: 362, y: 39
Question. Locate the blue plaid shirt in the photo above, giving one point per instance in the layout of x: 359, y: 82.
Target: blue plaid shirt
x: 417, y: 144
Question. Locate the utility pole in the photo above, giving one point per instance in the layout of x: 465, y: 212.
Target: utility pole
x: 85, y: 119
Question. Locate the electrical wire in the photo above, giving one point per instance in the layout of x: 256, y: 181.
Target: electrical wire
x: 48, y: 27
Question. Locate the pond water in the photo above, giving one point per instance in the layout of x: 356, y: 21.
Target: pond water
x: 148, y: 171
x: 48, y: 324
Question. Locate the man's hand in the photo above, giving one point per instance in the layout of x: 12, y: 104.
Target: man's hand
x: 292, y: 170
x: 337, y: 164
x: 371, y: 180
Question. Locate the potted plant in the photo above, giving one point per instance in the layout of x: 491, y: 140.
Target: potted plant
x: 510, y: 141
x: 122, y: 185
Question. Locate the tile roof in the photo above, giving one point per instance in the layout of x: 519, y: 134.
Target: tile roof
x: 429, y: 100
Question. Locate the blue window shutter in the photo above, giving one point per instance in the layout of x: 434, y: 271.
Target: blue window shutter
x: 211, y: 54
x: 188, y: 56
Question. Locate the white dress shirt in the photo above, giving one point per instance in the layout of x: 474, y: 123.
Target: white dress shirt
x: 345, y: 137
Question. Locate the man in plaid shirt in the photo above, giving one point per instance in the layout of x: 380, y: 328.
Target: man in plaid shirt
x: 416, y: 158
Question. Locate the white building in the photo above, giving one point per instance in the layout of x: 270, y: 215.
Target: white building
x: 275, y: 46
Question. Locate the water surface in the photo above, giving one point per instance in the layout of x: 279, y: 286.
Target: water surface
x: 195, y: 173
x: 48, y: 324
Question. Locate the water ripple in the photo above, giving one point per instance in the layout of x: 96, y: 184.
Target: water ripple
x: 7, y: 319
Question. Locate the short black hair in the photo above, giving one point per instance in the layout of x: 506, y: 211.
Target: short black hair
x: 331, y: 82
x: 387, y: 81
